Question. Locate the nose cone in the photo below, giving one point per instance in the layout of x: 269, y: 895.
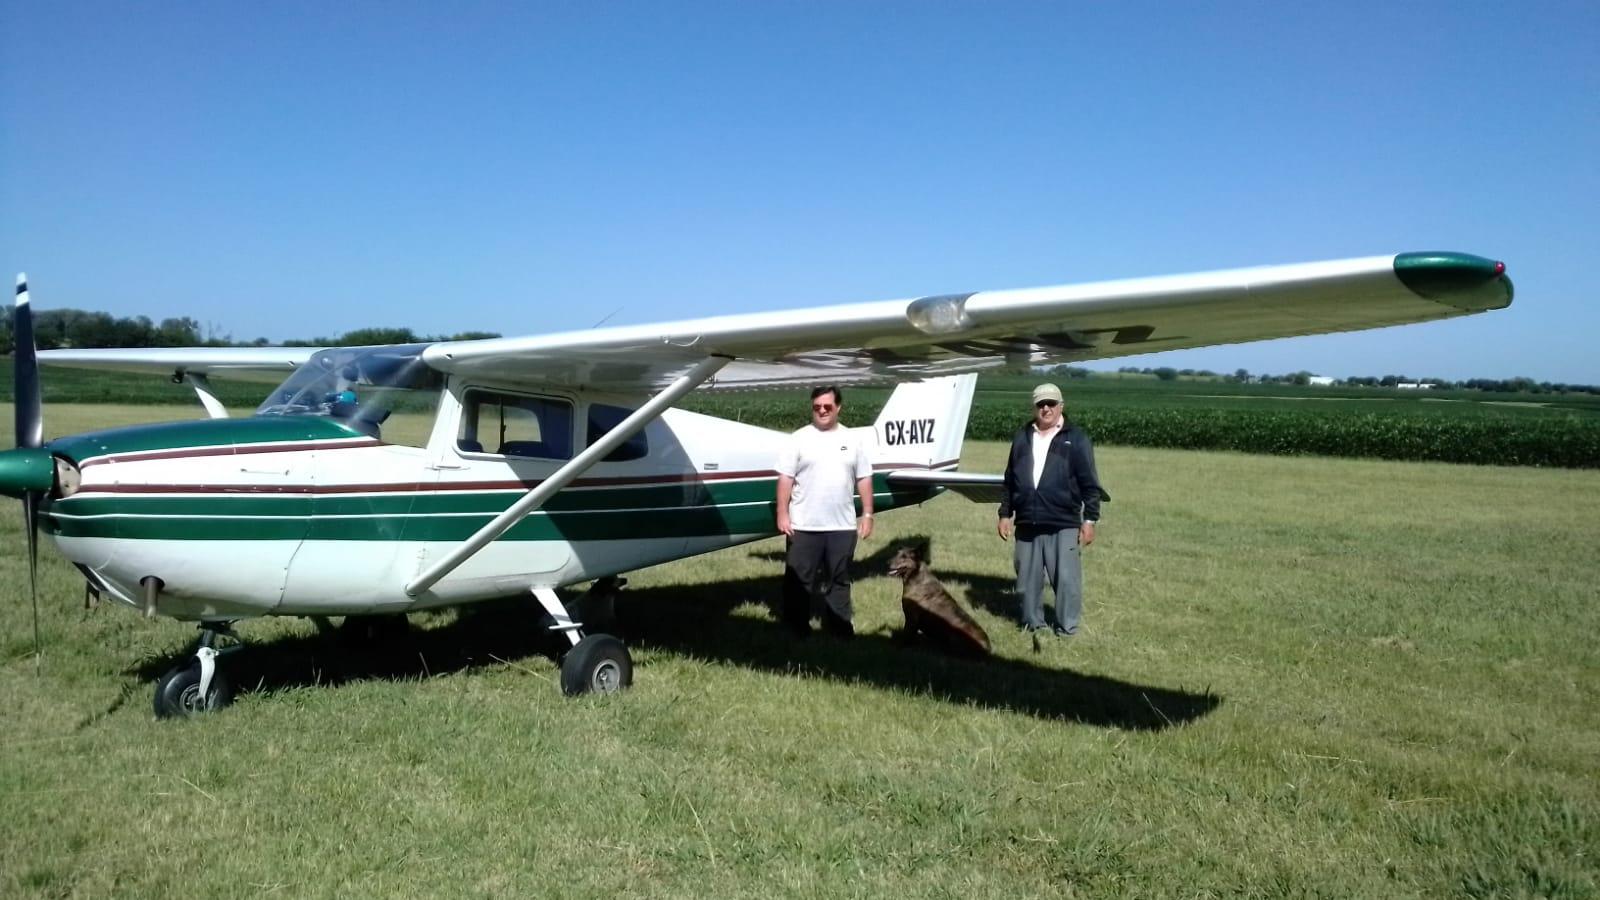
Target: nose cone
x: 26, y: 470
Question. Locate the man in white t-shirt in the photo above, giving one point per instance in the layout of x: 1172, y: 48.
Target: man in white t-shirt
x: 821, y: 468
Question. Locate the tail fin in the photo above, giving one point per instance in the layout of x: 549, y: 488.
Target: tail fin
x: 919, y: 438
x: 923, y: 424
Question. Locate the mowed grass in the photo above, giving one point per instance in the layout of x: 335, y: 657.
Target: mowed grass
x: 1299, y: 677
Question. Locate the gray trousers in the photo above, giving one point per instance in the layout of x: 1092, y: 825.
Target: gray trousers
x: 1052, y: 555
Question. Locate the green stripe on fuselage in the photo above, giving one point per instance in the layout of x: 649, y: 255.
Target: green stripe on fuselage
x: 692, y: 509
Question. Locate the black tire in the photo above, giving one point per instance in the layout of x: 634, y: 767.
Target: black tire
x: 178, y: 692
x: 599, y: 664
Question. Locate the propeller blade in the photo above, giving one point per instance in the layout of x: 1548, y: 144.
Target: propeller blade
x: 30, y: 433
x: 30, y: 415
x: 30, y: 523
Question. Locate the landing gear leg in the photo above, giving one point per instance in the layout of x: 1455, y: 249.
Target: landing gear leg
x: 597, y: 663
x: 597, y: 608
x: 197, y: 685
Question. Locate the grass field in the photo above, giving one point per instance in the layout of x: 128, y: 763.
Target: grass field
x: 1300, y: 677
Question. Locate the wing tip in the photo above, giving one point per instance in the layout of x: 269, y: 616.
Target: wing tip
x: 1467, y: 282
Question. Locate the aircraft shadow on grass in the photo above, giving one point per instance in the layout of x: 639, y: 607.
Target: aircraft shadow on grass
x: 697, y: 620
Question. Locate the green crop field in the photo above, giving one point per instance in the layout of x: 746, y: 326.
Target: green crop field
x: 1559, y: 430
x: 1448, y: 426
x: 1300, y: 676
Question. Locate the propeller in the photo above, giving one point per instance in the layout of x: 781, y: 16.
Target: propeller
x: 30, y: 436
x: 30, y: 418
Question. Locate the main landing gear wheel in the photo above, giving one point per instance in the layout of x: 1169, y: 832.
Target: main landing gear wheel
x: 598, y: 664
x: 178, y: 692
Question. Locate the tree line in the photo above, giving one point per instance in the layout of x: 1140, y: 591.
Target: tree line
x: 56, y: 329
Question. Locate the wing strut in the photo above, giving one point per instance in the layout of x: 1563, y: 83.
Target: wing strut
x: 208, y: 396
x: 579, y: 464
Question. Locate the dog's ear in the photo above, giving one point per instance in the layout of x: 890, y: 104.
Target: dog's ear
x: 924, y: 551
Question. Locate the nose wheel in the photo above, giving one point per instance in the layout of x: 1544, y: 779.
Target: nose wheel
x: 197, y: 684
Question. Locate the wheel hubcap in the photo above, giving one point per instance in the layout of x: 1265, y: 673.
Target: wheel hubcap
x: 607, y: 678
x: 190, y: 699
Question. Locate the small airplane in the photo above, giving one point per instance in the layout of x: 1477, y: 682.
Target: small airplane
x: 375, y: 481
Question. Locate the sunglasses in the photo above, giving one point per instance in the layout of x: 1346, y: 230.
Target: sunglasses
x: 1046, y: 404
x: 823, y: 407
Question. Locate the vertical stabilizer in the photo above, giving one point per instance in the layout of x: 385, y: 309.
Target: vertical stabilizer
x: 924, y: 422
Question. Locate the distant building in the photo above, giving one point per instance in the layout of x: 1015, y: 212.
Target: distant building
x: 1320, y: 380
x: 1415, y: 386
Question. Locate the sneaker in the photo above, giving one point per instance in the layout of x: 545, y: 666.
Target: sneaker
x: 1062, y: 632
x: 1035, y: 629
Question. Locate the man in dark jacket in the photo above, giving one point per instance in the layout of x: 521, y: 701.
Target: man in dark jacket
x: 1053, y: 493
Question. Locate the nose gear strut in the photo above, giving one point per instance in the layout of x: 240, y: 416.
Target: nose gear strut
x: 197, y: 685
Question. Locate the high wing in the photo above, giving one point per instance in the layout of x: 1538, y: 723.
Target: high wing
x: 938, y: 335
x: 952, y: 333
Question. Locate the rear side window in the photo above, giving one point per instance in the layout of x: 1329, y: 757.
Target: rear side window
x: 514, y: 425
x: 603, y: 418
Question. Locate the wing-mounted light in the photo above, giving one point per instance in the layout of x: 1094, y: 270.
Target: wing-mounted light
x: 943, y: 314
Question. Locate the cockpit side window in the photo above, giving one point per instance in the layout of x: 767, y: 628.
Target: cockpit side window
x: 515, y: 425
x: 603, y: 418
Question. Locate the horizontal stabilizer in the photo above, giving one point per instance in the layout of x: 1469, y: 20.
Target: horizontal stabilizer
x: 975, y: 486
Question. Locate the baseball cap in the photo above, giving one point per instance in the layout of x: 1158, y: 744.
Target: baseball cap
x: 1046, y: 392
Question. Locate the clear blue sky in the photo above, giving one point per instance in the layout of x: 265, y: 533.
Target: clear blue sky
x: 288, y: 170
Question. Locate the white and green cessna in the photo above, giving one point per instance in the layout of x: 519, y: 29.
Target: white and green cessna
x: 380, y: 480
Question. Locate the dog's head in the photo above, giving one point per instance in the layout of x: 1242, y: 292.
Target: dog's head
x: 908, y: 561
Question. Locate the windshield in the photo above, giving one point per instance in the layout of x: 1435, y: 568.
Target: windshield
x: 367, y: 388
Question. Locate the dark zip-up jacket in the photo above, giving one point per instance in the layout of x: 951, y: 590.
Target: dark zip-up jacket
x: 1069, y: 492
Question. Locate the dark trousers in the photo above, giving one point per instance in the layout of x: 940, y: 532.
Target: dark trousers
x: 819, y: 563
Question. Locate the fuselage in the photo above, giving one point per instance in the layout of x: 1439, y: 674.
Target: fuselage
x: 310, y: 515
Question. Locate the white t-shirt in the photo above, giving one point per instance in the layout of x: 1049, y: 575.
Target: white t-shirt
x: 825, y: 466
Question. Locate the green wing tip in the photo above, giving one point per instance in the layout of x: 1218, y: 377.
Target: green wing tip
x: 1467, y: 282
